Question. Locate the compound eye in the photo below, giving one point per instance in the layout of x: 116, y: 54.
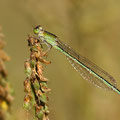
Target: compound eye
x: 37, y: 27
x: 36, y: 31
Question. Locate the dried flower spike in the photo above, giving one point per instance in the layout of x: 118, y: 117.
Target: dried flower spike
x: 35, y: 84
x: 5, y: 91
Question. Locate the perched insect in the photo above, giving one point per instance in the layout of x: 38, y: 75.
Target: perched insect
x: 85, y: 67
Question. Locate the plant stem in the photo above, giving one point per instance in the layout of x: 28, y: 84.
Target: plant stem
x: 35, y: 84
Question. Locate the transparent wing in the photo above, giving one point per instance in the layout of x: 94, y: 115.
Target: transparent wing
x: 87, y: 75
x: 87, y: 69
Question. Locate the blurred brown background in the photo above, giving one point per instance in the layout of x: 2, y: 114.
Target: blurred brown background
x: 92, y: 27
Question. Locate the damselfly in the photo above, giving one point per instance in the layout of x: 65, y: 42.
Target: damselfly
x: 85, y: 67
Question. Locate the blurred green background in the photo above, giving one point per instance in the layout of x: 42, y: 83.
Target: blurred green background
x: 92, y: 27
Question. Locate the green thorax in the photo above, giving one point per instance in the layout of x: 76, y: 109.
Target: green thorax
x: 50, y: 38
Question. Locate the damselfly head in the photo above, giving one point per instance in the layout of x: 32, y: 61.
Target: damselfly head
x: 38, y: 30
